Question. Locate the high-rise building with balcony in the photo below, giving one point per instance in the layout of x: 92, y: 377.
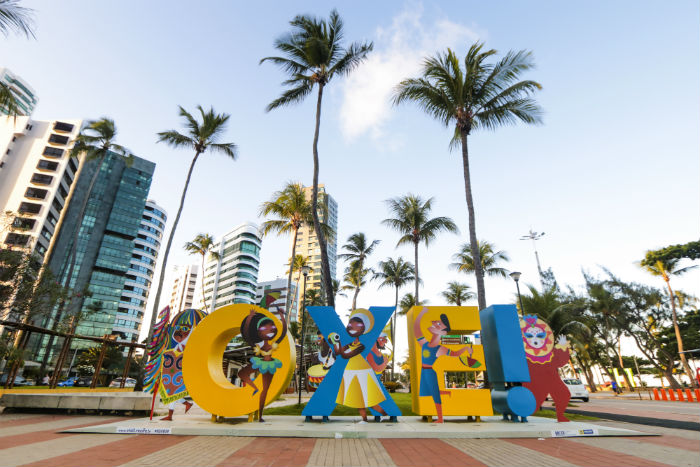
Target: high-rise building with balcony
x: 24, y: 95
x: 36, y: 175
x: 142, y: 266
x: 307, y: 242
x: 233, y: 276
x: 187, y: 287
x: 277, y: 290
x: 106, y: 239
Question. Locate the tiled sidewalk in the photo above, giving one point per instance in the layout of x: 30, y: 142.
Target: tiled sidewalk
x: 32, y: 440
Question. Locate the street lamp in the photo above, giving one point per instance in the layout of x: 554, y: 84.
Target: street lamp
x: 516, y: 277
x: 534, y: 236
x: 305, y: 271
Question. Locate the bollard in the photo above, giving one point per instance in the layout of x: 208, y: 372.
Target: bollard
x: 671, y: 395
x: 663, y: 394
x: 656, y: 395
x: 697, y: 395
x: 680, y: 394
x: 689, y: 395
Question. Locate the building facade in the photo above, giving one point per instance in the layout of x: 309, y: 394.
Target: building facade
x: 187, y: 287
x: 36, y: 175
x: 142, y: 267
x: 233, y: 276
x: 271, y: 289
x: 307, y: 242
x: 24, y: 95
x: 105, y: 239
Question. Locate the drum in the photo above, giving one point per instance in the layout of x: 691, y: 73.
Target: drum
x: 315, y: 375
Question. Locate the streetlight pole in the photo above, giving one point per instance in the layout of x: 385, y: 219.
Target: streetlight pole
x: 305, y: 271
x: 516, y: 277
x: 534, y: 236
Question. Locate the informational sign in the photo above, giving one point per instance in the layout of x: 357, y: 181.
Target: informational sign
x: 143, y: 430
x: 451, y: 339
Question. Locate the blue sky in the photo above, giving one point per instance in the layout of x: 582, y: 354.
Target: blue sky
x: 612, y: 172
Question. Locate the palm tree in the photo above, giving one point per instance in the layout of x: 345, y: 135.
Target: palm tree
x: 665, y: 269
x: 409, y: 301
x: 203, y: 245
x: 201, y: 136
x: 412, y: 220
x: 313, y: 55
x: 290, y: 210
x: 480, y: 95
x: 16, y: 18
x: 394, y: 274
x: 355, y: 279
x: 357, y: 249
x: 457, y: 293
x: 489, y: 260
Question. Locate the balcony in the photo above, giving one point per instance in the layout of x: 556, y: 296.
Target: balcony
x: 35, y: 193
x: 58, y: 139
x: 29, y: 208
x: 52, y: 152
x: 63, y: 127
x: 41, y: 179
x: 47, y: 165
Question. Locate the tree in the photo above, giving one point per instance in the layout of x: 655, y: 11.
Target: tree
x: 289, y: 210
x: 412, y: 220
x: 203, y: 245
x: 312, y: 56
x: 690, y: 250
x: 409, y: 301
x: 394, y: 274
x: 665, y: 269
x: 355, y: 279
x: 357, y: 249
x: 201, y: 136
x: 490, y: 260
x: 457, y: 293
x: 16, y: 18
x: 480, y: 95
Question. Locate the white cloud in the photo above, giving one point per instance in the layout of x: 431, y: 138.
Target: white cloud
x: 398, y: 54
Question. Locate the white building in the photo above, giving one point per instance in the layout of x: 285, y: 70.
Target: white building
x: 277, y: 286
x: 132, y: 304
x: 36, y: 174
x: 24, y: 94
x: 187, y: 288
x: 232, y: 277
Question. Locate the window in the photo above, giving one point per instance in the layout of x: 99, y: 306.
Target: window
x: 52, y: 220
x: 63, y: 192
x: 57, y: 205
x: 23, y: 224
x: 30, y: 208
x: 73, y: 164
x: 35, y: 193
x: 47, y: 165
x: 16, y: 239
x: 52, y: 152
x: 40, y: 249
x: 42, y: 179
x: 58, y: 139
x: 62, y: 126
x: 45, y: 232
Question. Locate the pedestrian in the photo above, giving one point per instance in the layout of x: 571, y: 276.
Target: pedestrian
x: 45, y: 380
x: 613, y: 384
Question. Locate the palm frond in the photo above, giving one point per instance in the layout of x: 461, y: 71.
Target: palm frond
x: 291, y: 96
x: 14, y: 17
x: 175, y: 139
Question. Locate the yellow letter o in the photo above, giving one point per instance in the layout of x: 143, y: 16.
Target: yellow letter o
x: 202, y: 363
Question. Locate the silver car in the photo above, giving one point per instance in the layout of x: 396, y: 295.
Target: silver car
x: 577, y: 389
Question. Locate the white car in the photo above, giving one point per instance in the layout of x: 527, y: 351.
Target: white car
x: 130, y: 383
x: 577, y: 389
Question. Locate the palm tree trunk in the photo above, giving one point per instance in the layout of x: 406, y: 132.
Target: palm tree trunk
x: 206, y: 308
x: 287, y: 302
x: 679, y: 339
x: 354, y: 298
x: 154, y: 314
x: 473, y: 243
x: 393, y: 328
x: 325, y: 266
x: 415, y: 258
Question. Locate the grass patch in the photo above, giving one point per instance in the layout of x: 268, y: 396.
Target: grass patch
x: 403, y: 401
x: 571, y: 416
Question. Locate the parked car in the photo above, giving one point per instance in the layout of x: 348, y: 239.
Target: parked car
x: 83, y: 381
x: 19, y: 381
x: 116, y: 382
x: 577, y: 389
x: 68, y: 382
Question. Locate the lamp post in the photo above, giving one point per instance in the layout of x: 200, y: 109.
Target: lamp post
x: 305, y: 271
x: 516, y: 277
x: 534, y: 236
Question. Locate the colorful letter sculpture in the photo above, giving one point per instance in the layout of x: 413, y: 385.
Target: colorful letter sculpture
x: 505, y: 360
x: 430, y: 359
x: 544, y: 357
x: 273, y: 362
x: 166, y: 350
x: 351, y: 381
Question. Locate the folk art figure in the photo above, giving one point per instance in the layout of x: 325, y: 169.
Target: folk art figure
x: 166, y: 349
x: 544, y: 358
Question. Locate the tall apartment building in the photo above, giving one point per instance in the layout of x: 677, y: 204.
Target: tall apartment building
x: 232, y: 277
x: 187, y: 288
x: 277, y: 286
x: 307, y: 243
x: 36, y: 175
x: 106, y: 239
x: 24, y: 94
x: 137, y: 283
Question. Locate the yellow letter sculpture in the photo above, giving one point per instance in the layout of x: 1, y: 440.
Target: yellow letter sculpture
x: 203, y: 372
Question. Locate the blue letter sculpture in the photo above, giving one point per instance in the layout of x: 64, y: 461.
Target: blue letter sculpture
x: 351, y: 380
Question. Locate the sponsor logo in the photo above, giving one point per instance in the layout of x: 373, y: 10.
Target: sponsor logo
x: 133, y: 430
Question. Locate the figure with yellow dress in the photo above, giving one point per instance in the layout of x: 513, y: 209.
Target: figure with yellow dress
x: 359, y: 387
